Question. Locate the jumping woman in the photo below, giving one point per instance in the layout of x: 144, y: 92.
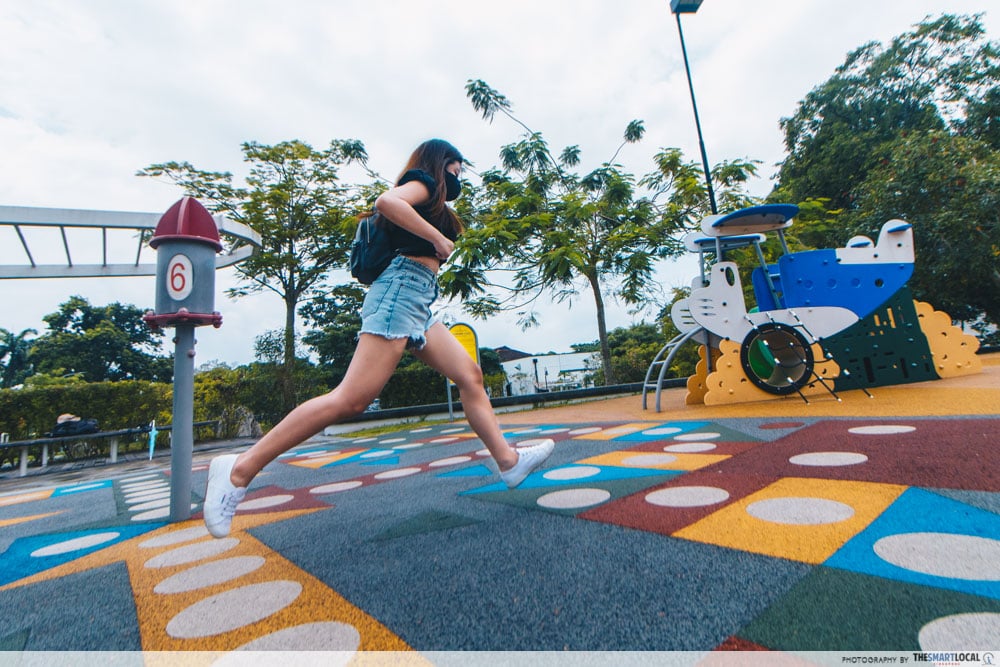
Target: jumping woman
x: 396, y: 316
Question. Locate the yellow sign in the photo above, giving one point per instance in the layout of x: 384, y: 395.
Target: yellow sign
x: 467, y: 337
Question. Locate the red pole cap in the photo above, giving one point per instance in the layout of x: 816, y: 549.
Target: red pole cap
x: 187, y: 220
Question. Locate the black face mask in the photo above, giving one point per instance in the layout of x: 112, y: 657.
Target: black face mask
x: 452, y: 186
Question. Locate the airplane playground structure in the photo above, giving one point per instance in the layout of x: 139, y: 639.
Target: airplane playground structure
x: 825, y: 320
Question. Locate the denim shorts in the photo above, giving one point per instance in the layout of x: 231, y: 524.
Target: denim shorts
x: 398, y: 303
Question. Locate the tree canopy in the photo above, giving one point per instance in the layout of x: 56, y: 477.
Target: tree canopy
x: 908, y: 130
x: 295, y: 200
x: 947, y: 187
x: 928, y: 79
x: 335, y: 318
x: 14, y: 364
x: 101, y: 343
x: 544, y: 228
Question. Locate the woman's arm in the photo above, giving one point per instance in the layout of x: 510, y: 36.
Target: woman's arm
x: 397, y: 204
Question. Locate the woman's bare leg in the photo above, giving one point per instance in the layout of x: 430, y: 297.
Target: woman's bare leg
x: 374, y: 361
x: 446, y: 355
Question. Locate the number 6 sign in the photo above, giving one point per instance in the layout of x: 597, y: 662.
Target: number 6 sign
x: 179, y: 277
x: 186, y: 242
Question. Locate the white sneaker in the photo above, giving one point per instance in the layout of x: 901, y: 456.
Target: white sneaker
x: 221, y: 497
x: 528, y: 458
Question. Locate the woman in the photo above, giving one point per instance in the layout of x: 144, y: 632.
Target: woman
x: 396, y: 316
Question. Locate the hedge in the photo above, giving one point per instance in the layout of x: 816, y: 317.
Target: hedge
x: 224, y: 395
x: 30, y: 413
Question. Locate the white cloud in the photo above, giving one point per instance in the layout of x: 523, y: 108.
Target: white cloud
x: 91, y: 92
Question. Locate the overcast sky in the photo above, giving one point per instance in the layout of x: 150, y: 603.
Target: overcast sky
x: 91, y: 92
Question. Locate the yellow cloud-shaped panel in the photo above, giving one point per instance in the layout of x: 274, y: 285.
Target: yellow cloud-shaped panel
x: 728, y: 383
x: 954, y: 352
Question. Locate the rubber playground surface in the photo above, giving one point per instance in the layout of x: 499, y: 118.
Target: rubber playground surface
x: 869, y: 524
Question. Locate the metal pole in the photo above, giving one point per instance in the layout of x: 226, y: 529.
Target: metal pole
x: 697, y: 122
x: 451, y: 409
x: 182, y: 435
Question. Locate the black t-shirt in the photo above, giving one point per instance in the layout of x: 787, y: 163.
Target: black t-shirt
x: 407, y: 243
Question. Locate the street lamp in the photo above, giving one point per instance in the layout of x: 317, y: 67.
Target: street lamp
x: 679, y: 7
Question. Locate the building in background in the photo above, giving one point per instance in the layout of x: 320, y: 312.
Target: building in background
x: 532, y: 374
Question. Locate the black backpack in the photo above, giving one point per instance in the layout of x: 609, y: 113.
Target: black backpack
x: 371, y: 251
x: 75, y: 427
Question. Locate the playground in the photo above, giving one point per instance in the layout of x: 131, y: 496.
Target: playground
x: 822, y: 490
x: 865, y: 524
x: 825, y: 483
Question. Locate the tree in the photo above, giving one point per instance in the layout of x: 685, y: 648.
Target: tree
x: 554, y: 231
x: 305, y: 216
x: 632, y: 350
x: 982, y: 120
x: 946, y: 186
x: 269, y: 347
x: 103, y: 343
x: 336, y: 316
x: 256, y: 387
x: 908, y: 131
x: 489, y: 361
x: 940, y: 76
x: 14, y: 349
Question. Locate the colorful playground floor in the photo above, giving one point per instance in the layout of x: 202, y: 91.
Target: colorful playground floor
x: 868, y: 524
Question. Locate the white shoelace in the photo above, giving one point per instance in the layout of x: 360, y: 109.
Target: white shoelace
x: 229, y: 503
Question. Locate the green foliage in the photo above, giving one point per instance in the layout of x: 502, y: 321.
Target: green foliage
x: 30, y: 412
x: 923, y: 80
x: 413, y: 383
x: 982, y: 120
x: 231, y: 394
x: 946, y: 186
x: 495, y: 383
x: 258, y: 387
x: 217, y: 392
x: 489, y: 361
x: 686, y: 358
x: 77, y: 316
x: 817, y: 225
x: 269, y: 347
x: 910, y: 131
x: 101, y: 343
x: 548, y: 230
x: 55, y: 378
x: 14, y: 363
x: 633, y: 348
x: 305, y: 216
x: 336, y: 316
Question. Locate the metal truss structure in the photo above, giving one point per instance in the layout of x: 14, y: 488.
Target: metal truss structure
x: 46, y: 236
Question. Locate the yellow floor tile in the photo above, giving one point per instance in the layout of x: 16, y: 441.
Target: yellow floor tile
x: 848, y: 506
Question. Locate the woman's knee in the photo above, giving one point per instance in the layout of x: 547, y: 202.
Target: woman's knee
x: 471, y: 379
x: 339, y: 405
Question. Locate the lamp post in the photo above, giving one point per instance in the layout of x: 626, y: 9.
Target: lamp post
x: 679, y: 7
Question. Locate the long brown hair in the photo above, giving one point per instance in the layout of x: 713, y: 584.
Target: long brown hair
x: 432, y: 156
